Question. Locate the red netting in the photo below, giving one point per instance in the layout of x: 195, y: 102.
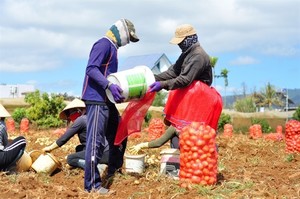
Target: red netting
x: 292, y: 136
x: 10, y: 125
x: 133, y: 117
x: 156, y: 128
x: 24, y: 125
x: 195, y: 103
x: 198, y: 155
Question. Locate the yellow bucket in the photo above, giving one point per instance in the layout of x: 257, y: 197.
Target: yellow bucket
x: 46, y: 163
x: 24, y: 163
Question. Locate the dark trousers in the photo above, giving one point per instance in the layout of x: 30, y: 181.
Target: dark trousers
x: 78, y: 159
x: 12, y: 153
x: 102, y: 122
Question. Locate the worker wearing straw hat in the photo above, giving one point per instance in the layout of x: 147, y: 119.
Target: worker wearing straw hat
x: 10, y: 151
x: 191, y: 97
x: 75, y: 112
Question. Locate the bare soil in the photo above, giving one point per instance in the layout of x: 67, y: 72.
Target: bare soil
x: 247, y: 169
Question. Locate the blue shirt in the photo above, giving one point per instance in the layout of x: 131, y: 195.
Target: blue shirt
x: 102, y: 61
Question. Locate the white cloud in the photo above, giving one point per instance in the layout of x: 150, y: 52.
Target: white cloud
x: 243, y: 60
x: 46, y: 35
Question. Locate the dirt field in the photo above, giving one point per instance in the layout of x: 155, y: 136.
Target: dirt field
x: 247, y: 169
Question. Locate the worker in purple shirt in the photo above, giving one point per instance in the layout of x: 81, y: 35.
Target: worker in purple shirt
x: 102, y: 115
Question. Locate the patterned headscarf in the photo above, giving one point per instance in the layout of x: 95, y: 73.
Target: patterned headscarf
x: 188, y: 42
x: 119, y: 33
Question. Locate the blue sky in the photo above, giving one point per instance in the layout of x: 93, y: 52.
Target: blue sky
x: 47, y: 43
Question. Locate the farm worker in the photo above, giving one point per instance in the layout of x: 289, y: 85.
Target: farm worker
x: 168, y: 135
x: 74, y: 112
x: 191, y: 97
x: 10, y: 151
x: 102, y: 115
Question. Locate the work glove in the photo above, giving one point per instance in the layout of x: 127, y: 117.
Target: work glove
x: 136, y: 148
x: 50, y: 148
x: 116, y: 93
x: 155, y: 87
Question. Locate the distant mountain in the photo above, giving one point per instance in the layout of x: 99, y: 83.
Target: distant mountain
x: 293, y: 96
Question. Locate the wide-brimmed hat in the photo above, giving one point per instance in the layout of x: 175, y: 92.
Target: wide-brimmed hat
x: 131, y: 30
x: 181, y: 32
x: 76, y: 103
x: 3, y: 112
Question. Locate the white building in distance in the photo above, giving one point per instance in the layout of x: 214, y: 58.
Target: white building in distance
x: 15, y: 90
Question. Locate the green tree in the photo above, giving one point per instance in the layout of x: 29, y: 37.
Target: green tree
x: 267, y: 97
x: 245, y: 105
x: 19, y: 114
x: 296, y: 115
x: 224, y: 74
x: 160, y: 99
x: 213, y: 62
x: 44, y: 109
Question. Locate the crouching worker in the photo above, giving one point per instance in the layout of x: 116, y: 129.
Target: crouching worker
x: 10, y: 151
x: 170, y: 133
x: 74, y: 113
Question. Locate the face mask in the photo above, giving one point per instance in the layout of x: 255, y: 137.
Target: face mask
x: 188, y: 42
x: 74, y: 116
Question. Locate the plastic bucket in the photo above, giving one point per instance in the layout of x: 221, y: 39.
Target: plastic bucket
x: 170, y: 162
x: 45, y: 163
x: 35, y: 154
x: 24, y: 163
x: 134, y: 163
x: 134, y: 82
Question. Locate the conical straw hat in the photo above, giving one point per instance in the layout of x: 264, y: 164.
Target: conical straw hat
x: 3, y: 112
x: 76, y: 103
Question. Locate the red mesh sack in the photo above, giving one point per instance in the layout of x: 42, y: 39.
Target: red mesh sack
x: 156, y: 128
x: 255, y: 131
x: 292, y: 136
x: 10, y: 125
x: 133, y: 117
x: 228, y: 130
x: 279, y: 129
x: 274, y: 136
x: 198, y: 155
x: 194, y: 103
x: 24, y: 125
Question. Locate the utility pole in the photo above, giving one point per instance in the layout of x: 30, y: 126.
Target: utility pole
x: 287, y: 100
x: 285, y: 90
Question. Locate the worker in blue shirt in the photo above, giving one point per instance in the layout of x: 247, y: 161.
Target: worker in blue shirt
x: 102, y: 115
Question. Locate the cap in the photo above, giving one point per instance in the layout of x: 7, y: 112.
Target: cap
x: 3, y: 112
x: 181, y: 32
x: 76, y: 103
x: 131, y: 30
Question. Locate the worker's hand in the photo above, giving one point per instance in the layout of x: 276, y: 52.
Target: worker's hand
x: 47, y: 149
x: 116, y: 93
x: 155, y: 87
x: 136, y: 148
x: 50, y: 148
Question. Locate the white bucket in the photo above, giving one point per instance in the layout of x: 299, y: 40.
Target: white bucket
x: 134, y: 163
x: 170, y: 162
x: 134, y: 82
x: 46, y: 163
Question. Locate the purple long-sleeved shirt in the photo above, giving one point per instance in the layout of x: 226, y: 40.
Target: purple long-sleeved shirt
x: 103, y: 61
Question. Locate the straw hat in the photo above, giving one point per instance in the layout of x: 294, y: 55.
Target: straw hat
x: 181, y: 32
x: 3, y: 112
x: 76, y: 103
